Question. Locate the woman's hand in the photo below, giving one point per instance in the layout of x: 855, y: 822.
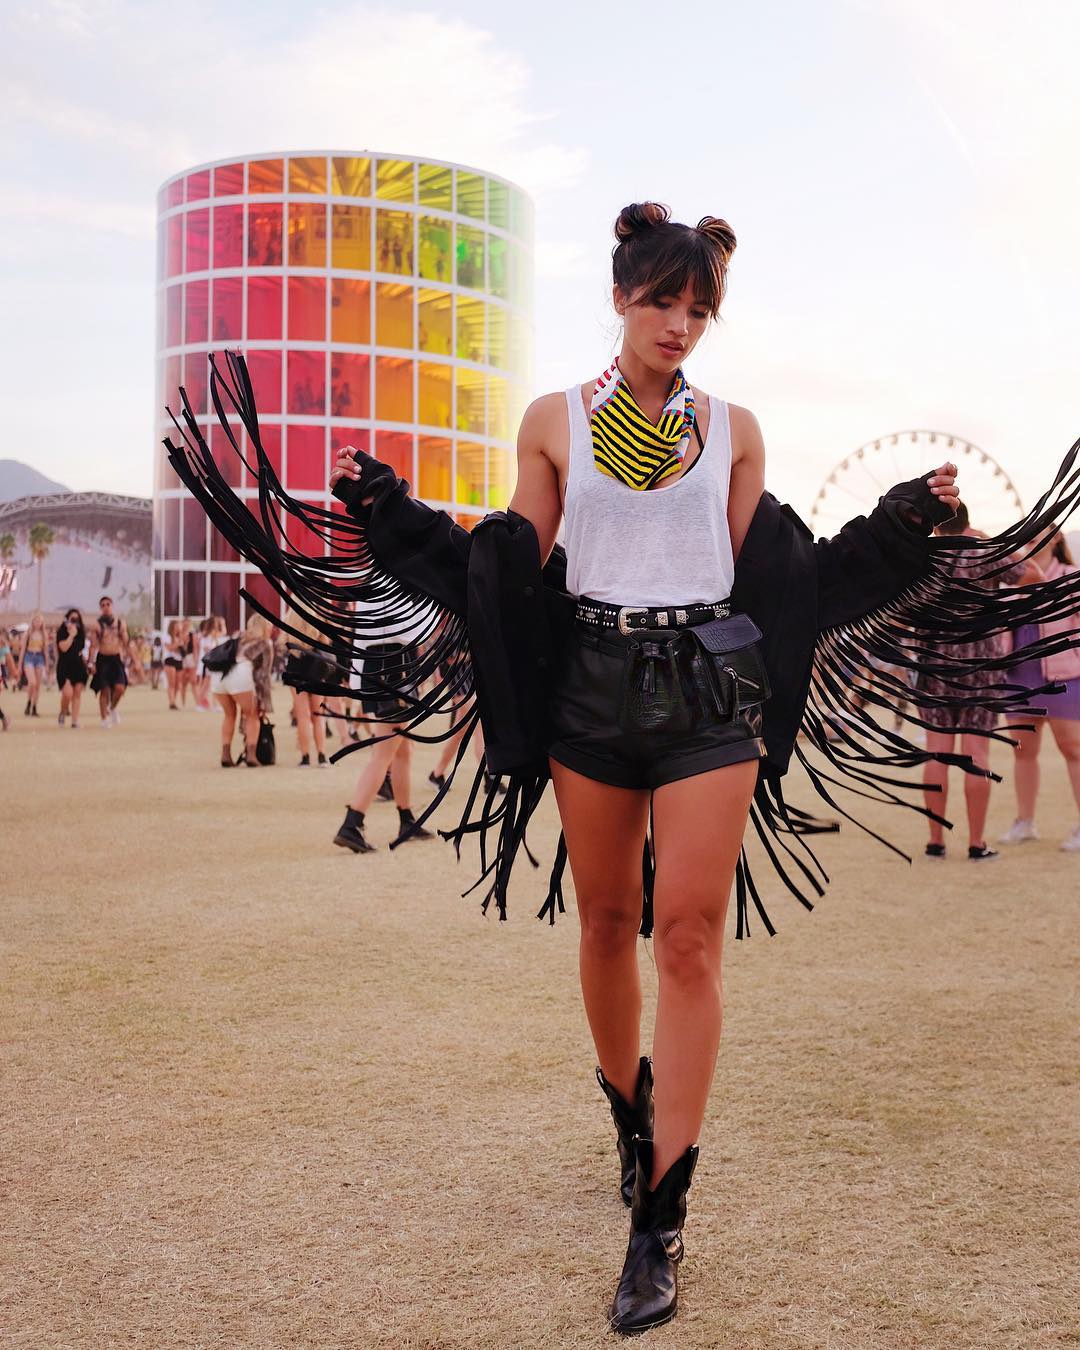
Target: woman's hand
x: 942, y: 483
x: 347, y: 464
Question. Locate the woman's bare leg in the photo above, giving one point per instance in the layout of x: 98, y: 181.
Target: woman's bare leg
x: 937, y: 743
x: 1067, y: 735
x: 698, y: 824
x: 976, y: 788
x: 374, y: 771
x: 246, y: 704
x: 605, y: 834
x: 302, y: 712
x: 1029, y: 743
x: 401, y: 774
x: 228, y: 722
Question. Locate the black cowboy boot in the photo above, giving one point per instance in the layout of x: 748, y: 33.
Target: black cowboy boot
x: 649, y: 1286
x: 630, y: 1118
x: 351, y: 833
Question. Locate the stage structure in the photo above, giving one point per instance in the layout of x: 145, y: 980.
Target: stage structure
x: 380, y: 300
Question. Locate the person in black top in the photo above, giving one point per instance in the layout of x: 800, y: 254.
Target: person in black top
x: 71, y: 672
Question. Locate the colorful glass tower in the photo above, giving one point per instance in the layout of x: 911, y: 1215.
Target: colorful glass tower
x: 380, y: 301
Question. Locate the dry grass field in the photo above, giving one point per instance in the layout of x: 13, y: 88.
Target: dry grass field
x: 259, y: 1092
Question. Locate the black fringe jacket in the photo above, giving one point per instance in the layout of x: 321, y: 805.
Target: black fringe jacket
x: 876, y: 600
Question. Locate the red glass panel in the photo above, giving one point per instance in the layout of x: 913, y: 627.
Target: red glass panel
x: 196, y: 378
x: 265, y: 371
x: 306, y: 448
x: 162, y: 230
x: 170, y: 382
x: 198, y: 240
x: 220, y: 548
x: 302, y: 539
x: 358, y: 437
x: 162, y: 200
x: 197, y: 311
x: 270, y: 436
x: 171, y: 527
x: 228, y: 180
x: 173, y: 297
x: 174, y: 245
x: 174, y: 193
x: 307, y: 309
x: 194, y: 526
x: 396, y: 448
x: 266, y: 175
x: 264, y: 234
x: 170, y: 593
x: 164, y: 473
x: 225, y: 457
x: 350, y: 384
x: 225, y: 598
x: 260, y: 588
x: 307, y: 234
x: 194, y: 594
x: 228, y: 236
x: 228, y: 311
x: 198, y: 186
x: 264, y: 308
x: 307, y: 383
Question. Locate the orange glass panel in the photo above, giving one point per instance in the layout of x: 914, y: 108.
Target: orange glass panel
x: 264, y: 308
x: 306, y: 449
x: 436, y: 393
x: 197, y: 240
x: 395, y: 180
x: 435, y: 316
x: 266, y: 175
x: 228, y: 236
x: 174, y: 245
x: 198, y: 186
x: 470, y: 257
x: 351, y: 243
x: 436, y: 458
x: 307, y: 175
x: 350, y: 384
x: 498, y: 204
x: 197, y: 311
x: 394, y: 389
x: 173, y: 299
x: 228, y: 180
x: 174, y: 193
x: 394, y: 242
x: 307, y: 309
x: 228, y: 311
x: 467, y: 519
x: 470, y: 474
x: 265, y: 370
x: 436, y: 248
x: 350, y: 310
x: 471, y: 343
x: 501, y: 477
x: 196, y: 373
x: 469, y: 387
x: 437, y: 186
x: 498, y: 407
x: 307, y: 234
x: 393, y: 315
x: 264, y: 234
x: 498, y: 274
x: 498, y: 335
x: 396, y: 448
x: 307, y: 383
x: 350, y: 177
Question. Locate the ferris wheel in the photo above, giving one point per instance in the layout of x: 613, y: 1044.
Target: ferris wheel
x: 860, y: 478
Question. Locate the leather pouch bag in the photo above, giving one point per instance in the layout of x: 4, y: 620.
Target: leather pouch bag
x: 654, y: 694
x: 730, y: 659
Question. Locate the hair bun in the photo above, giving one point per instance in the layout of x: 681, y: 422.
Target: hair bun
x: 638, y: 217
x: 720, y: 232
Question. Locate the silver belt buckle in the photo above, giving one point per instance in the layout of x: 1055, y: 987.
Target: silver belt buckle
x: 624, y: 614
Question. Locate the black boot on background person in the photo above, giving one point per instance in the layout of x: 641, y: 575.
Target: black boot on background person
x: 386, y: 792
x: 351, y: 833
x: 649, y: 1285
x: 630, y: 1118
x: 408, y: 828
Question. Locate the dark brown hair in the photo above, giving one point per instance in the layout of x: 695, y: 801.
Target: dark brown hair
x: 657, y: 256
x: 1062, y: 553
x: 957, y: 523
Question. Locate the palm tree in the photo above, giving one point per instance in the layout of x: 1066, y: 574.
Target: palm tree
x: 41, y: 539
x: 7, y: 552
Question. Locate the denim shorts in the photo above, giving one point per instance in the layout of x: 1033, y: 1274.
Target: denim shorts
x: 34, y: 659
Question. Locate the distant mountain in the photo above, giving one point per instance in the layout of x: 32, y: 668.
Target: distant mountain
x: 20, y: 480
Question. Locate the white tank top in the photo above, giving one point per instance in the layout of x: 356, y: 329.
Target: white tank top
x: 659, y: 546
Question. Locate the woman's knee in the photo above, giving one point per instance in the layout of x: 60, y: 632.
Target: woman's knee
x: 688, y: 949
x: 609, y: 925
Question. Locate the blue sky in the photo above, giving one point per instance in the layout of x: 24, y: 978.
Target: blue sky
x: 900, y: 175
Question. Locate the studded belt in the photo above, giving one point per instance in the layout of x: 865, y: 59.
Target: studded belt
x: 627, y: 618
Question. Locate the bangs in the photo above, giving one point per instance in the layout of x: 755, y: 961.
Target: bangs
x: 685, y: 258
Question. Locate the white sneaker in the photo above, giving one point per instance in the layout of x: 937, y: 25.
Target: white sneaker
x: 115, y: 717
x: 1019, y: 832
x: 1072, y: 844
x: 106, y: 724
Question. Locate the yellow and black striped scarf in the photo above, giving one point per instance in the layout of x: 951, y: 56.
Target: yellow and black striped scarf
x: 626, y: 445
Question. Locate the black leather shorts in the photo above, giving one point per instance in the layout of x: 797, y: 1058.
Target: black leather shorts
x: 593, y: 734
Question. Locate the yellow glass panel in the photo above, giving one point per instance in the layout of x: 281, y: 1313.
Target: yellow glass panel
x: 395, y: 180
x: 469, y: 386
x: 470, y: 195
x: 307, y: 234
x: 501, y: 477
x: 498, y: 335
x: 307, y: 175
x: 435, y: 394
x: 435, y: 314
x: 351, y: 241
x: 436, y: 457
x: 394, y: 315
x: 436, y: 248
x: 470, y: 329
x: 498, y: 204
x: 394, y: 242
x: 437, y: 186
x: 470, y: 257
x: 469, y: 488
x: 350, y: 310
x: 498, y: 413
x: 393, y: 389
x: 350, y: 177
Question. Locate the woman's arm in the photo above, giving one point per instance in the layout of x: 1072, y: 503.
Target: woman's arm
x: 536, y: 496
x: 64, y: 644
x: 747, y: 474
x: 22, y: 655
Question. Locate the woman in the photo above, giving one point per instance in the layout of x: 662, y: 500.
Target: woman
x: 309, y: 665
x: 1062, y: 710
x: 245, y: 689
x: 71, y: 672
x: 212, y: 631
x: 174, y: 662
x: 32, y: 660
x: 186, y: 641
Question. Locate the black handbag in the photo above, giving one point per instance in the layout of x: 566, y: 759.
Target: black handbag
x: 304, y: 667
x: 222, y: 658
x: 733, y: 663
x: 265, y: 749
